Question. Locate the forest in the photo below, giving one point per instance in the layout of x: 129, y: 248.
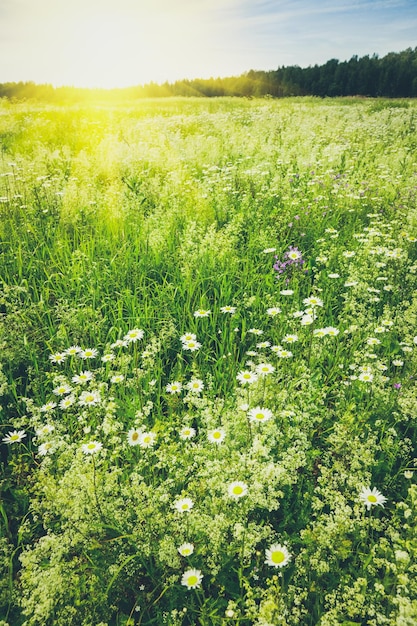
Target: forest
x: 391, y: 76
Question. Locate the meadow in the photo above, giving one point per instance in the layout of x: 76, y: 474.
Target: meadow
x: 208, y: 333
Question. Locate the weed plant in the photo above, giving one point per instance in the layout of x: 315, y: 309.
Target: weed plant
x: 208, y: 363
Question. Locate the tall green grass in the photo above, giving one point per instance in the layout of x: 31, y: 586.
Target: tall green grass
x: 121, y: 218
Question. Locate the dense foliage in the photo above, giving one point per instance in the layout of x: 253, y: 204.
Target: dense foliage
x: 208, y: 363
x: 392, y: 76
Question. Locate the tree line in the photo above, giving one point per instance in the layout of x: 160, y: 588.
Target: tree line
x: 393, y: 76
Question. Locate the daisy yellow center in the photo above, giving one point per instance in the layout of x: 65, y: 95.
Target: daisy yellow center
x: 184, y: 506
x: 259, y: 416
x: 186, y: 432
x: 277, y: 557
x: 192, y: 580
x: 91, y: 446
x: 217, y: 435
x: 146, y: 439
x: 186, y: 551
x: 89, y: 398
x: 14, y: 437
x: 372, y: 498
x: 247, y: 376
x: 237, y: 490
x: 135, y: 436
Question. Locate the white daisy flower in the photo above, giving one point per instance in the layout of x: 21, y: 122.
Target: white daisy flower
x: 237, y: 490
x: 263, y: 369
x: 313, y: 301
x: 83, y: 377
x: 45, y: 448
x: 66, y: 402
x: 290, y: 338
x: 147, y: 439
x: 277, y: 555
x: 134, y: 335
x: 89, y: 398
x: 62, y: 389
x: 259, y: 414
x: 366, y: 377
x: 15, y: 436
x: 188, y: 337
x: 133, y: 437
x: 186, y: 549
x: 92, y: 447
x: 202, y: 313
x: 72, y: 350
x: 88, y: 353
x: 191, y: 345
x: 195, y: 385
x: 184, y: 505
x: 216, y: 435
x: 246, y: 377
x: 228, y: 309
x: 187, y: 432
x: 372, y: 497
x: 273, y: 311
x: 174, y: 387
x: 192, y: 579
x: 57, y: 357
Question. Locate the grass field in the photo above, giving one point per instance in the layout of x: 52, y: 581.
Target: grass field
x: 208, y: 363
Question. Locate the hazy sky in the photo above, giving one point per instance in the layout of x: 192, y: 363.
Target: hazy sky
x: 128, y: 42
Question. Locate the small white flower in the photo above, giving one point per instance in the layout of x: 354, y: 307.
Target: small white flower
x: 133, y: 437
x: 15, y: 436
x: 89, y: 398
x: 88, y: 353
x: 117, y: 378
x: 216, y: 435
x: 237, y: 490
x: 57, y: 357
x: 83, y: 377
x: 247, y: 377
x: 290, y: 338
x: 187, y: 432
x: 277, y: 555
x: 255, y: 331
x: 109, y: 356
x: 188, y: 337
x: 313, y: 301
x: 192, y: 579
x: 174, y: 387
x: 186, y: 549
x: 61, y: 390
x: 184, y: 505
x: 259, y: 415
x: 273, y: 311
x: 286, y: 292
x: 372, y: 497
x: 72, y: 350
x: 49, y: 406
x: 191, y: 345
x: 202, y: 313
x: 147, y: 440
x: 195, y: 385
x: 263, y: 369
x: 92, y: 447
x: 134, y: 335
x: 366, y: 377
x: 45, y: 448
x: 66, y: 402
x: 228, y: 309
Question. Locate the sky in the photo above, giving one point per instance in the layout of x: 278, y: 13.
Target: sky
x: 119, y: 43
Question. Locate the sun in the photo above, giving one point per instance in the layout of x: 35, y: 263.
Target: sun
x: 130, y: 44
